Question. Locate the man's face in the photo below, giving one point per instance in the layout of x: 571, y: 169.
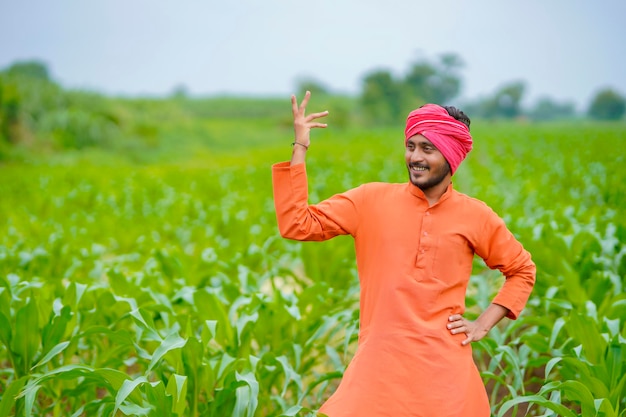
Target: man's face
x: 427, y: 166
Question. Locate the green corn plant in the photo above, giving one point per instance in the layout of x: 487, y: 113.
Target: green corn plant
x: 164, y: 289
x: 590, y: 378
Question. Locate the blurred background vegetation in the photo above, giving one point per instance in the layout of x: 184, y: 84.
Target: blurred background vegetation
x: 40, y: 118
x: 142, y: 273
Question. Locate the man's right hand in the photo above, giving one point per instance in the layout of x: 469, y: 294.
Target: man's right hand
x: 302, y: 125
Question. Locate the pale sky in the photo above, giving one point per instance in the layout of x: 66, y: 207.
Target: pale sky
x: 565, y: 49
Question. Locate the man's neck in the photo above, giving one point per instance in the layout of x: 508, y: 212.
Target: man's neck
x: 433, y: 194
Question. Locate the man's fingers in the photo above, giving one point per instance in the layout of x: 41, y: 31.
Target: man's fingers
x: 314, y: 116
x: 455, y: 324
x: 297, y: 109
x: 305, y: 101
x: 294, y: 105
x: 301, y: 122
x: 458, y: 324
x: 460, y: 329
x: 300, y: 110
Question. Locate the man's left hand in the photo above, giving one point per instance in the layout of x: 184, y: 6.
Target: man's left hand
x: 476, y: 330
x: 472, y: 329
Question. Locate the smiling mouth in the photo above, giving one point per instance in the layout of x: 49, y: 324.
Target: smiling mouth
x: 418, y: 168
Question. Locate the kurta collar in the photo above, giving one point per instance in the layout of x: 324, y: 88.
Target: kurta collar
x: 417, y: 192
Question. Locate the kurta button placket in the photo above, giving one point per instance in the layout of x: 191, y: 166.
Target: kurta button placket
x: 424, y: 242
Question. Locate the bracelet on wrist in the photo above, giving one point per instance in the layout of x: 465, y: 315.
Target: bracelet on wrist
x: 301, y: 144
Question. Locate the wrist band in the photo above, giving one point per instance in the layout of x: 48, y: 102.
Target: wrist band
x: 301, y: 144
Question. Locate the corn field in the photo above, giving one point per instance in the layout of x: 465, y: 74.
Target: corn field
x: 164, y: 289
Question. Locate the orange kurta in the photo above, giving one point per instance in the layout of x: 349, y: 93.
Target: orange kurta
x: 414, y: 263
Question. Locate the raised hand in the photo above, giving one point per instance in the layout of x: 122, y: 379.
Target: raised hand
x: 303, y: 123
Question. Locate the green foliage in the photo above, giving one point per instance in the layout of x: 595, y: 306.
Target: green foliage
x: 504, y: 104
x: 188, y: 317
x: 437, y: 82
x: 39, y: 115
x: 386, y: 100
x: 383, y: 98
x: 159, y: 285
x: 317, y: 88
x: 33, y: 70
x: 547, y: 109
x: 607, y: 105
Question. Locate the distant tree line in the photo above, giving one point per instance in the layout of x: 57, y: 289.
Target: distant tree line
x: 386, y: 98
x: 33, y: 106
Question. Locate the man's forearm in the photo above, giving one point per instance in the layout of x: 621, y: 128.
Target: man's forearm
x: 490, y: 317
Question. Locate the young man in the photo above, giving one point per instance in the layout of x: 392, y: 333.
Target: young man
x: 414, y: 243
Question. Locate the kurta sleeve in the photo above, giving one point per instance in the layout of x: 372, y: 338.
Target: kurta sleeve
x: 500, y: 250
x: 300, y: 221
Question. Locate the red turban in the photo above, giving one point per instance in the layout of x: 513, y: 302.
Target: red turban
x: 450, y: 136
